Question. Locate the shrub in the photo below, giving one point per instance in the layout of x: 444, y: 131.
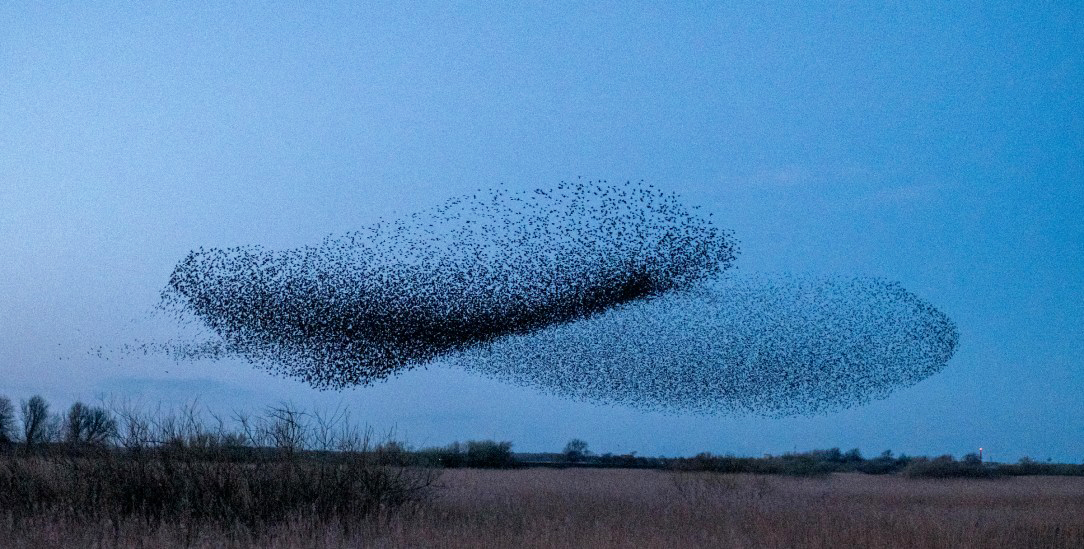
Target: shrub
x: 1028, y: 466
x: 575, y: 450
x: 176, y: 469
x: 489, y: 454
x: 633, y: 461
x: 805, y: 465
x: 450, y: 456
x: 832, y: 455
x: 947, y: 467
x: 883, y: 464
x: 706, y: 461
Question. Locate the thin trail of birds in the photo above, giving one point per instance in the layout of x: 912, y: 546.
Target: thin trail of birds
x: 612, y: 293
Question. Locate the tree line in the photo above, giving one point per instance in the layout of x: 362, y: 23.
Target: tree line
x: 36, y: 425
x: 286, y: 429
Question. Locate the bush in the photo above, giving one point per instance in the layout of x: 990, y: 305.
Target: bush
x: 883, y: 465
x: 175, y: 468
x: 706, y: 461
x: 813, y: 463
x: 450, y: 456
x: 1028, y: 466
x: 805, y: 465
x: 575, y: 450
x: 489, y: 454
x: 947, y: 467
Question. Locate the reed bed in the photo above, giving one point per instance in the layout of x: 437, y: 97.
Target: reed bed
x: 637, y: 508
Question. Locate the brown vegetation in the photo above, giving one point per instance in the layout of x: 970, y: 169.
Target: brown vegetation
x: 173, y: 474
x: 642, y: 508
x: 114, y: 477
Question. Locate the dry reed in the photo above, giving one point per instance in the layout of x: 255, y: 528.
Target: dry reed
x: 645, y: 508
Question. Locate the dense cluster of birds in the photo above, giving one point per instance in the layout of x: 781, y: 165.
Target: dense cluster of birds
x: 769, y: 345
x: 362, y: 306
x: 613, y: 293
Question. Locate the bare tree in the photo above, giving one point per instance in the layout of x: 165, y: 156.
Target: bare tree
x: 133, y: 427
x: 74, y: 426
x: 90, y: 425
x: 36, y: 428
x: 286, y: 428
x: 7, y: 421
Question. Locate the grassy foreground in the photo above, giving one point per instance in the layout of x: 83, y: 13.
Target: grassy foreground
x: 641, y: 508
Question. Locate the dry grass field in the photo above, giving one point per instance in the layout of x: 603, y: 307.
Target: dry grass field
x: 644, y: 508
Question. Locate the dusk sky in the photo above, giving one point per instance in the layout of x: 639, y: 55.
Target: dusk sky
x: 940, y: 145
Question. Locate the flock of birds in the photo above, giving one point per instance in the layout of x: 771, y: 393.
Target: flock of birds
x: 613, y: 293
x: 771, y: 345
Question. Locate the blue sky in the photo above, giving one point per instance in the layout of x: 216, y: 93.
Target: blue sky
x: 937, y: 144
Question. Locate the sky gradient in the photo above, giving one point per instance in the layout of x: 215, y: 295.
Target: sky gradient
x: 940, y: 145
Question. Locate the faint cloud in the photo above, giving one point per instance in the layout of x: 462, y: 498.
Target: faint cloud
x: 845, y: 183
x: 170, y: 389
